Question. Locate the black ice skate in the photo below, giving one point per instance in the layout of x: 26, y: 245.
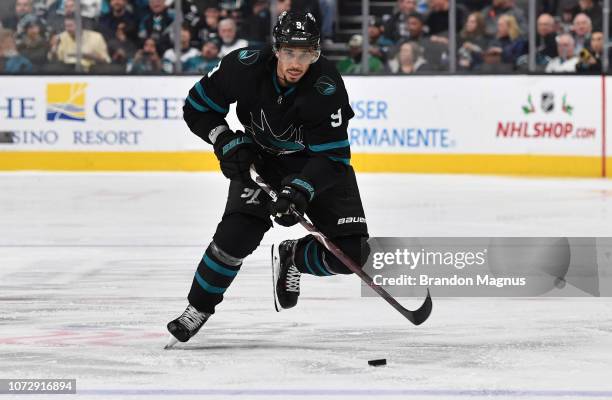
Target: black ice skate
x: 187, y: 325
x: 285, y: 275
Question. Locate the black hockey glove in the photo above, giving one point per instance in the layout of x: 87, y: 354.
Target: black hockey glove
x: 295, y: 194
x: 236, y: 152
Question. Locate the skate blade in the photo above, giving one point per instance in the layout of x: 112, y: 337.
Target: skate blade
x: 276, y: 306
x: 171, y: 343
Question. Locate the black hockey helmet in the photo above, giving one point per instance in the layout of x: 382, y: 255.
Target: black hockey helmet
x: 296, y: 29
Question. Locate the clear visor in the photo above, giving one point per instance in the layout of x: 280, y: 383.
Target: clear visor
x: 301, y: 56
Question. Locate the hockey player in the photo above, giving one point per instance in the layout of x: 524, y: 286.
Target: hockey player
x: 295, y: 111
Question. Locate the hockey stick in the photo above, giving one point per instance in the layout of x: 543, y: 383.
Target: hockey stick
x: 417, y: 317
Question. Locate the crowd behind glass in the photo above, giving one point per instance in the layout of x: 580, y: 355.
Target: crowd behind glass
x: 161, y: 37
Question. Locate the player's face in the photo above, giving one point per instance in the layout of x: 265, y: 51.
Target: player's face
x: 293, y: 62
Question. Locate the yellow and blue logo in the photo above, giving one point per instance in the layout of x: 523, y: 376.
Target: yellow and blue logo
x: 66, y: 101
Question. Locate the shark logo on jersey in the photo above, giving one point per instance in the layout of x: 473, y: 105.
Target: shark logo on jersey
x: 289, y: 141
x: 325, y: 85
x: 248, y: 57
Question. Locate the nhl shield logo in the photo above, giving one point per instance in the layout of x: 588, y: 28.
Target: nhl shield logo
x: 548, y: 102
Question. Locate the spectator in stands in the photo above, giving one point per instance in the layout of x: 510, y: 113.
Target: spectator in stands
x: 40, y: 7
x: 435, y: 52
x: 415, y: 27
x: 379, y: 44
x: 192, y: 10
x: 11, y: 61
x: 282, y: 6
x: 119, y: 15
x: 524, y: 6
x: 56, y: 14
x: 146, y: 60
x: 408, y: 60
x: 56, y: 17
x: 187, y: 53
x: 93, y: 46
x: 256, y: 27
x: 328, y: 18
x: 229, y: 38
x: 545, y: 40
x: 121, y: 48
x: 499, y: 8
x: 208, y: 60
x: 140, y: 8
x: 474, y: 5
x: 582, y: 29
x: 34, y: 45
x: 6, y: 9
x: 28, y: 20
x: 591, y: 56
x: 157, y: 24
x: 509, y: 40
x: 566, y: 60
x: 546, y: 45
x: 437, y: 19
x: 472, y: 42
x: 592, y: 10
x: 492, y: 63
x: 566, y: 22
x: 351, y: 64
x: 553, y: 7
x: 396, y: 26
x: 24, y: 14
x: 231, y: 9
x: 207, y: 26
x: 90, y: 8
x: 22, y: 8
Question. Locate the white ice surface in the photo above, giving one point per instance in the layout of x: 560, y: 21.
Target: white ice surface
x: 92, y: 267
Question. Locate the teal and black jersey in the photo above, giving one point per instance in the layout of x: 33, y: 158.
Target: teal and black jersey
x: 304, y: 126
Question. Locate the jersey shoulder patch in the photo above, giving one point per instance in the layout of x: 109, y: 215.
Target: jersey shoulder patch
x: 248, y: 56
x: 326, y: 85
x: 327, y: 80
x: 326, y: 90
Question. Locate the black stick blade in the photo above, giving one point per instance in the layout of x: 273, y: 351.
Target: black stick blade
x: 420, y: 315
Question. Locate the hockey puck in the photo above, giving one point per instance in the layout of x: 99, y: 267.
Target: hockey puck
x: 378, y: 363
